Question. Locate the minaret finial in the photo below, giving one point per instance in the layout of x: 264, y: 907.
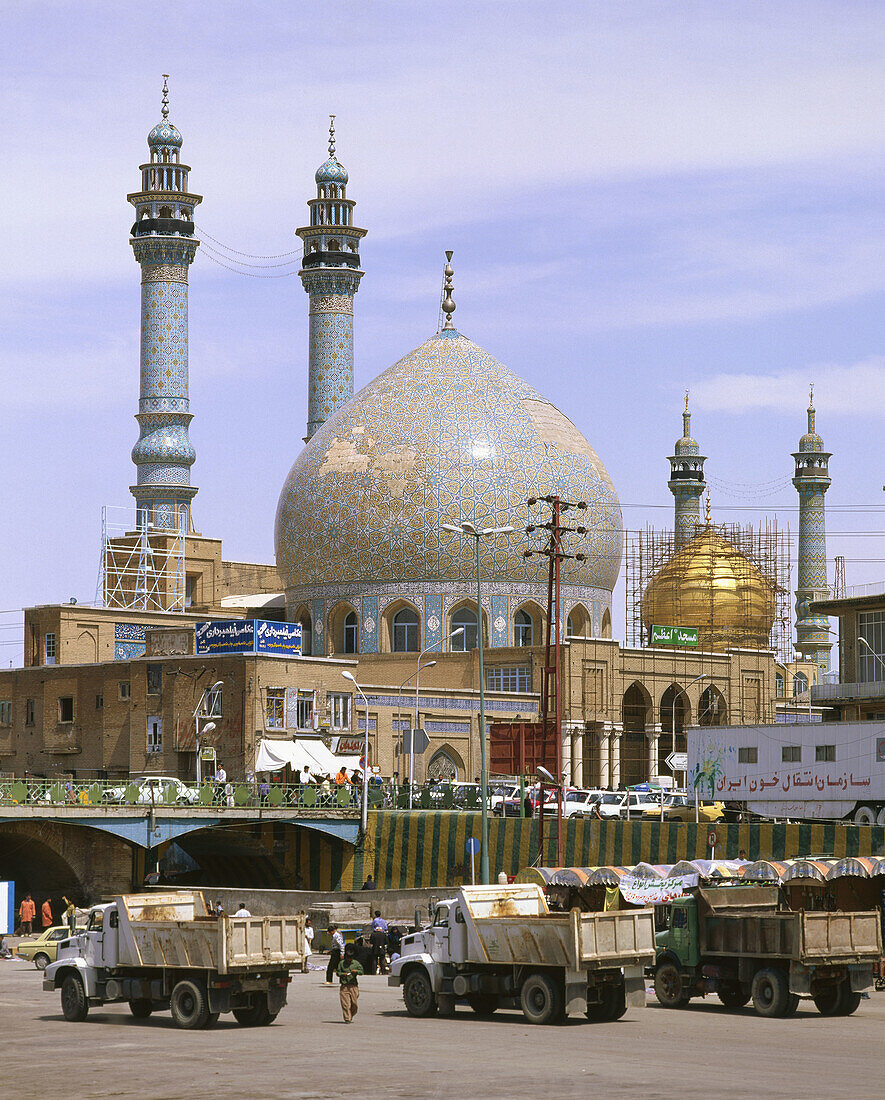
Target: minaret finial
x: 811, y: 396
x: 709, y: 521
x: 448, y: 302
x: 686, y: 419
x: 165, y: 108
x: 686, y: 400
x: 811, y: 408
x: 332, y: 136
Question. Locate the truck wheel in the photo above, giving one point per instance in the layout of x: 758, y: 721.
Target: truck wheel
x: 483, y: 1004
x: 792, y: 1004
x: 41, y: 960
x: 74, y: 1005
x: 669, y: 986
x: 848, y: 1002
x: 771, y: 992
x: 418, y: 994
x: 256, y: 1015
x: 733, y: 998
x: 141, y: 1008
x: 612, y: 1006
x: 541, y: 1000
x: 827, y: 1002
x: 864, y: 815
x: 211, y: 1020
x: 188, y: 1005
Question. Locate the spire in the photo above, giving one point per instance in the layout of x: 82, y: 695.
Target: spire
x: 811, y: 481
x: 448, y: 305
x: 811, y: 410
x: 165, y: 107
x: 686, y: 482
x: 332, y: 138
x: 686, y: 420
x: 708, y: 519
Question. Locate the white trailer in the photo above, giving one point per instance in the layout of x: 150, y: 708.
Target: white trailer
x: 809, y: 771
x: 168, y: 950
x: 501, y: 945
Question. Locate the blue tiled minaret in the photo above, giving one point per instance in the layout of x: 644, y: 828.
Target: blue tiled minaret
x: 686, y: 482
x: 812, y: 481
x: 164, y: 245
x: 330, y: 272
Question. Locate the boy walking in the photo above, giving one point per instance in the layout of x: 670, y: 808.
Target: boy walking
x: 349, y: 971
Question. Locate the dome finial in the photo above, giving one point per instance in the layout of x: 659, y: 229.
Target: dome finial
x: 165, y: 107
x: 811, y: 408
x: 332, y: 136
x: 448, y: 305
x: 686, y: 419
x: 708, y: 519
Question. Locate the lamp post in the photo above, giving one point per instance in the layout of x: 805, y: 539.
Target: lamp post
x: 681, y: 691
x: 467, y: 528
x: 864, y: 642
x: 364, y: 817
x: 454, y: 634
x: 207, y: 728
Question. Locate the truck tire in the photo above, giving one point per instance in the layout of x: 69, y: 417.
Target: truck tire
x: 483, y: 1004
x: 771, y: 992
x: 257, y: 1014
x: 612, y: 1006
x: 41, y: 960
x: 141, y: 1008
x: 541, y: 999
x: 880, y: 817
x: 188, y: 1004
x: 792, y: 1005
x: 733, y: 998
x: 827, y: 1002
x: 418, y: 994
x: 669, y: 986
x: 848, y: 1002
x: 74, y: 1005
x: 864, y: 815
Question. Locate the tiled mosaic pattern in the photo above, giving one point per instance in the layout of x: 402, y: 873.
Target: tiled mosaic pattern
x: 330, y: 381
x: 129, y: 641
x: 812, y: 633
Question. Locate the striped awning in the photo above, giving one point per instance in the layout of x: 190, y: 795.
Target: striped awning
x: 824, y: 869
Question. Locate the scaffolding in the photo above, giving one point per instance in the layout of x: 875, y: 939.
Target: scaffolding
x: 648, y: 552
x: 142, y: 566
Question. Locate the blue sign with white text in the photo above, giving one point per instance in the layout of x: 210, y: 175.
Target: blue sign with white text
x: 248, y: 636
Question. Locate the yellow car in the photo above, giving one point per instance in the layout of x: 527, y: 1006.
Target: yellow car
x: 680, y: 807
x: 43, y: 949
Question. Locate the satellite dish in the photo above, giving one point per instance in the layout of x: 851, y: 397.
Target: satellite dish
x: 73, y: 599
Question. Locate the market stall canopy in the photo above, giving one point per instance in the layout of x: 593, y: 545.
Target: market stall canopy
x: 273, y: 756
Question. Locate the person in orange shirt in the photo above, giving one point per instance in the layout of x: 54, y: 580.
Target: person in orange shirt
x: 27, y: 911
x: 46, y: 913
x: 342, y: 778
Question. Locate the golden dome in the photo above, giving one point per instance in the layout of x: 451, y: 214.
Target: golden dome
x: 711, y: 585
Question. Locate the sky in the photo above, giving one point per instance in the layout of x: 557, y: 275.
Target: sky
x: 642, y: 199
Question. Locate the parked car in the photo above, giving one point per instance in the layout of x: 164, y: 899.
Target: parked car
x: 155, y: 789
x: 42, y: 949
x: 499, y: 792
x: 628, y: 804
x: 578, y: 802
x: 680, y: 807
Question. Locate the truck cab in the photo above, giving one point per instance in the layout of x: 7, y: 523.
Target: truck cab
x: 679, y: 940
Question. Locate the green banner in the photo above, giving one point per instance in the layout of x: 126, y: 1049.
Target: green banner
x: 674, y: 635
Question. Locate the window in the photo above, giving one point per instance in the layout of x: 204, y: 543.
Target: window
x: 779, y: 685
x: 123, y: 689
x: 339, y: 710
x: 5, y: 712
x: 29, y: 712
x: 154, y: 679
x: 99, y: 702
x: 800, y: 683
x: 351, y: 632
x: 275, y: 709
x: 523, y: 629
x: 304, y: 710
x: 190, y: 589
x: 748, y: 755
x: 49, y: 649
x: 212, y: 702
x: 791, y: 754
x: 405, y: 631
x: 509, y: 678
x: 871, y: 627
x: 66, y: 708
x: 824, y: 754
x: 465, y: 620
x: 154, y: 733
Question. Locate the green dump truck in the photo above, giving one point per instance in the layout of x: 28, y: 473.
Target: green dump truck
x: 737, y: 942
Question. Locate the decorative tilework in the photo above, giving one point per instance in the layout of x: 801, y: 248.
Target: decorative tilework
x: 811, y: 481
x: 330, y: 381
x: 369, y: 632
x: 331, y: 303
x: 129, y: 641
x: 361, y: 724
x: 431, y: 702
x: 125, y: 651
x: 446, y: 727
x: 500, y: 620
x: 433, y: 621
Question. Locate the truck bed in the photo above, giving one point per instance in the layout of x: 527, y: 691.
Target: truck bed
x: 806, y: 937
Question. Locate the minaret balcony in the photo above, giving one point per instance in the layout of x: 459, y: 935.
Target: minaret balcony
x: 166, y: 227
x: 331, y: 259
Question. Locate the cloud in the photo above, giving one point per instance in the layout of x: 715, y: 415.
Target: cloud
x: 857, y: 390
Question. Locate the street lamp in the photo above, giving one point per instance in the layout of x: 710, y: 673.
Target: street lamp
x: 217, y: 686
x: 477, y: 533
x: 864, y: 642
x: 681, y: 691
x: 454, y: 634
x: 365, y: 810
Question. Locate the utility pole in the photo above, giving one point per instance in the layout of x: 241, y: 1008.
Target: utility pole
x: 551, y: 675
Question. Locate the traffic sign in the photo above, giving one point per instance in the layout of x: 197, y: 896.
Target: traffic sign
x: 678, y: 761
x: 472, y: 845
x: 712, y: 839
x: 415, y: 742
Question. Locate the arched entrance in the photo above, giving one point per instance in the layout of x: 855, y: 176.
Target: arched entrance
x: 712, y: 710
x: 445, y: 766
x: 673, y: 692
x: 636, y: 713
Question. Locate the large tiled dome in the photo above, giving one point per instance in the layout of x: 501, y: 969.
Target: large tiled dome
x: 447, y: 433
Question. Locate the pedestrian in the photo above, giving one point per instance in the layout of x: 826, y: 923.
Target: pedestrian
x: 304, y: 776
x: 242, y: 911
x: 348, y: 971
x: 219, y: 909
x: 46, y: 913
x: 70, y: 915
x: 298, y: 881
x: 342, y: 779
x: 378, y: 940
x: 379, y: 922
x: 26, y: 913
x: 742, y: 854
x: 369, y: 884
x: 308, y: 943
x: 337, y: 950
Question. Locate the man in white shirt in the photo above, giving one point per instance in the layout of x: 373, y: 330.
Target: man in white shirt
x: 335, y: 954
x: 304, y: 775
x: 242, y: 911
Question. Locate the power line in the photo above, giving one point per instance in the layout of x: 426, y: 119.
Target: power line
x: 250, y: 255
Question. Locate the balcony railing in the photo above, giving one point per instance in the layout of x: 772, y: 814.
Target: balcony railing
x: 869, y: 690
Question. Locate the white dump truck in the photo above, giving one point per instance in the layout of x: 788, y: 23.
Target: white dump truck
x: 167, y: 950
x: 501, y: 946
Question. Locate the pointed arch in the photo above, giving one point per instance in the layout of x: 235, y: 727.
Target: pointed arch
x: 402, y: 627
x: 302, y: 615
x: 636, y: 716
x: 529, y: 624
x: 606, y: 623
x: 343, y: 628
x: 712, y: 708
x: 462, y: 615
x: 445, y: 765
x: 578, y: 624
x: 674, y: 715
